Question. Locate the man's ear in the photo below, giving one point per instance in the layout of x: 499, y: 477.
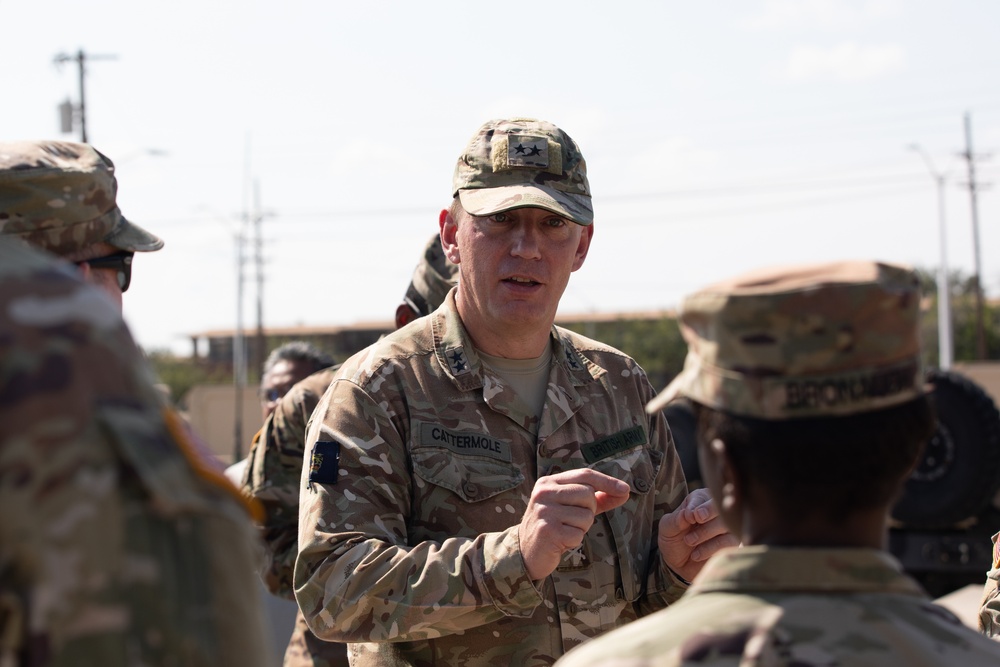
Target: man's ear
x: 449, y: 236
x: 584, y: 247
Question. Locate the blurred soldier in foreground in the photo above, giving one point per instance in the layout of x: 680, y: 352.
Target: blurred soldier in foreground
x: 274, y: 472
x: 482, y: 487
x: 811, y: 414
x: 118, y: 545
x: 989, y: 610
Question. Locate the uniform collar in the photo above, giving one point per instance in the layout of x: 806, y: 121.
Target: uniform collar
x: 459, y: 359
x: 783, y: 569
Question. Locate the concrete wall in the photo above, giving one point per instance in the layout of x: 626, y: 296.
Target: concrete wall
x: 212, y: 414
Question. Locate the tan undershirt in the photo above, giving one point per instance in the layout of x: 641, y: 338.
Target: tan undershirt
x: 527, y: 377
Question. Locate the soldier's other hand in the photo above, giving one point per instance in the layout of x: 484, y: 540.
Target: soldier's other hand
x: 692, y: 533
x: 560, y: 511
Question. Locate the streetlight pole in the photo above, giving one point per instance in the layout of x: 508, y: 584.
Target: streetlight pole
x: 944, y: 295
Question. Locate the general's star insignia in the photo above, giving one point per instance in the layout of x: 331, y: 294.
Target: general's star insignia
x: 457, y: 361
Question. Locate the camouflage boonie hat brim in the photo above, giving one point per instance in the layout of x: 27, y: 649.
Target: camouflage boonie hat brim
x: 60, y: 195
x: 523, y: 162
x: 802, y: 341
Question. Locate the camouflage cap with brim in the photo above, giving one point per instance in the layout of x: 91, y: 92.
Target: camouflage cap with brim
x: 61, y: 196
x: 802, y: 341
x: 432, y: 278
x: 519, y: 163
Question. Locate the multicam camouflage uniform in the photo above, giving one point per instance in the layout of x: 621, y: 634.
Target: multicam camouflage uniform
x: 989, y: 610
x: 759, y: 605
x: 818, y: 340
x: 422, y: 463
x: 273, y: 474
x: 117, y: 546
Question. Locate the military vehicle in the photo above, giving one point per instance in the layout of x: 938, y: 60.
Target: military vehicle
x: 942, y: 524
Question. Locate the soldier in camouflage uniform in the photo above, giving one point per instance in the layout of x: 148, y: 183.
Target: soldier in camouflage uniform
x: 118, y: 545
x: 989, y: 610
x: 433, y: 277
x: 811, y: 413
x: 484, y: 488
x: 84, y: 180
x: 275, y: 463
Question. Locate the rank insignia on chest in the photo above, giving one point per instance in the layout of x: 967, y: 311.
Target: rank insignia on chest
x: 456, y: 361
x: 577, y: 558
x: 325, y: 462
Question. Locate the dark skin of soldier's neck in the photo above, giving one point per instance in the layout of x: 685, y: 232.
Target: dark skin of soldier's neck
x: 752, y: 514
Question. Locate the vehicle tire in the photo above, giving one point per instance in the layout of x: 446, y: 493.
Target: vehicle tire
x: 959, y: 471
x: 680, y: 419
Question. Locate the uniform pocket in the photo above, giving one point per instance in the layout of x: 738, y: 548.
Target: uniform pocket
x: 473, y: 478
x: 632, y: 523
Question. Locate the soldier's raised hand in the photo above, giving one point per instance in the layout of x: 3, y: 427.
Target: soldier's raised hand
x: 560, y: 511
x: 692, y: 533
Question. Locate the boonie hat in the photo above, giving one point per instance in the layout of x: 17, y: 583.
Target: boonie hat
x: 523, y: 162
x: 433, y: 277
x: 60, y: 195
x: 802, y: 341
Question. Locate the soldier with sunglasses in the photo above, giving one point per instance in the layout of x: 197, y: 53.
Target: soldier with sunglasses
x: 73, y: 184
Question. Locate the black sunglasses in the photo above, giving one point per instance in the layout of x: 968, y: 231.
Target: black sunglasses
x: 120, y: 262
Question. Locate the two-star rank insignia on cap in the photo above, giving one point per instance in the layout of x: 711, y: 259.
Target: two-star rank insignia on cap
x: 525, y: 151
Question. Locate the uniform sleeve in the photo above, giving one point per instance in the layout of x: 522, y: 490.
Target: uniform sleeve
x: 273, y: 476
x: 357, y: 578
x: 989, y: 608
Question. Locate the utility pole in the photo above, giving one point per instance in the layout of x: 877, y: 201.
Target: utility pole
x: 66, y: 109
x: 945, y: 346
x: 239, y: 340
x: 261, y: 344
x: 970, y: 159
x: 239, y: 346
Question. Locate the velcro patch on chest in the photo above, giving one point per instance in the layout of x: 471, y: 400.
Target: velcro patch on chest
x: 460, y: 442
x: 615, y: 444
x: 577, y: 558
x: 324, y: 462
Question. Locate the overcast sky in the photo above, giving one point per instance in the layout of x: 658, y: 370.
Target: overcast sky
x: 719, y: 136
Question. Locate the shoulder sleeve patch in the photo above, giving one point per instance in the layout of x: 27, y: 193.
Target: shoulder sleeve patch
x: 325, y: 462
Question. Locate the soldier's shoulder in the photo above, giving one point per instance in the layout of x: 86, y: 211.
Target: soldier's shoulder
x: 404, y: 347
x: 598, y: 353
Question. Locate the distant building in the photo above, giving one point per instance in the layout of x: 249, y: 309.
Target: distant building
x: 341, y: 341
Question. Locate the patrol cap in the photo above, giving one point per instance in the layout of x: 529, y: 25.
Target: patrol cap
x: 60, y: 195
x: 433, y: 277
x: 802, y: 341
x: 523, y: 162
